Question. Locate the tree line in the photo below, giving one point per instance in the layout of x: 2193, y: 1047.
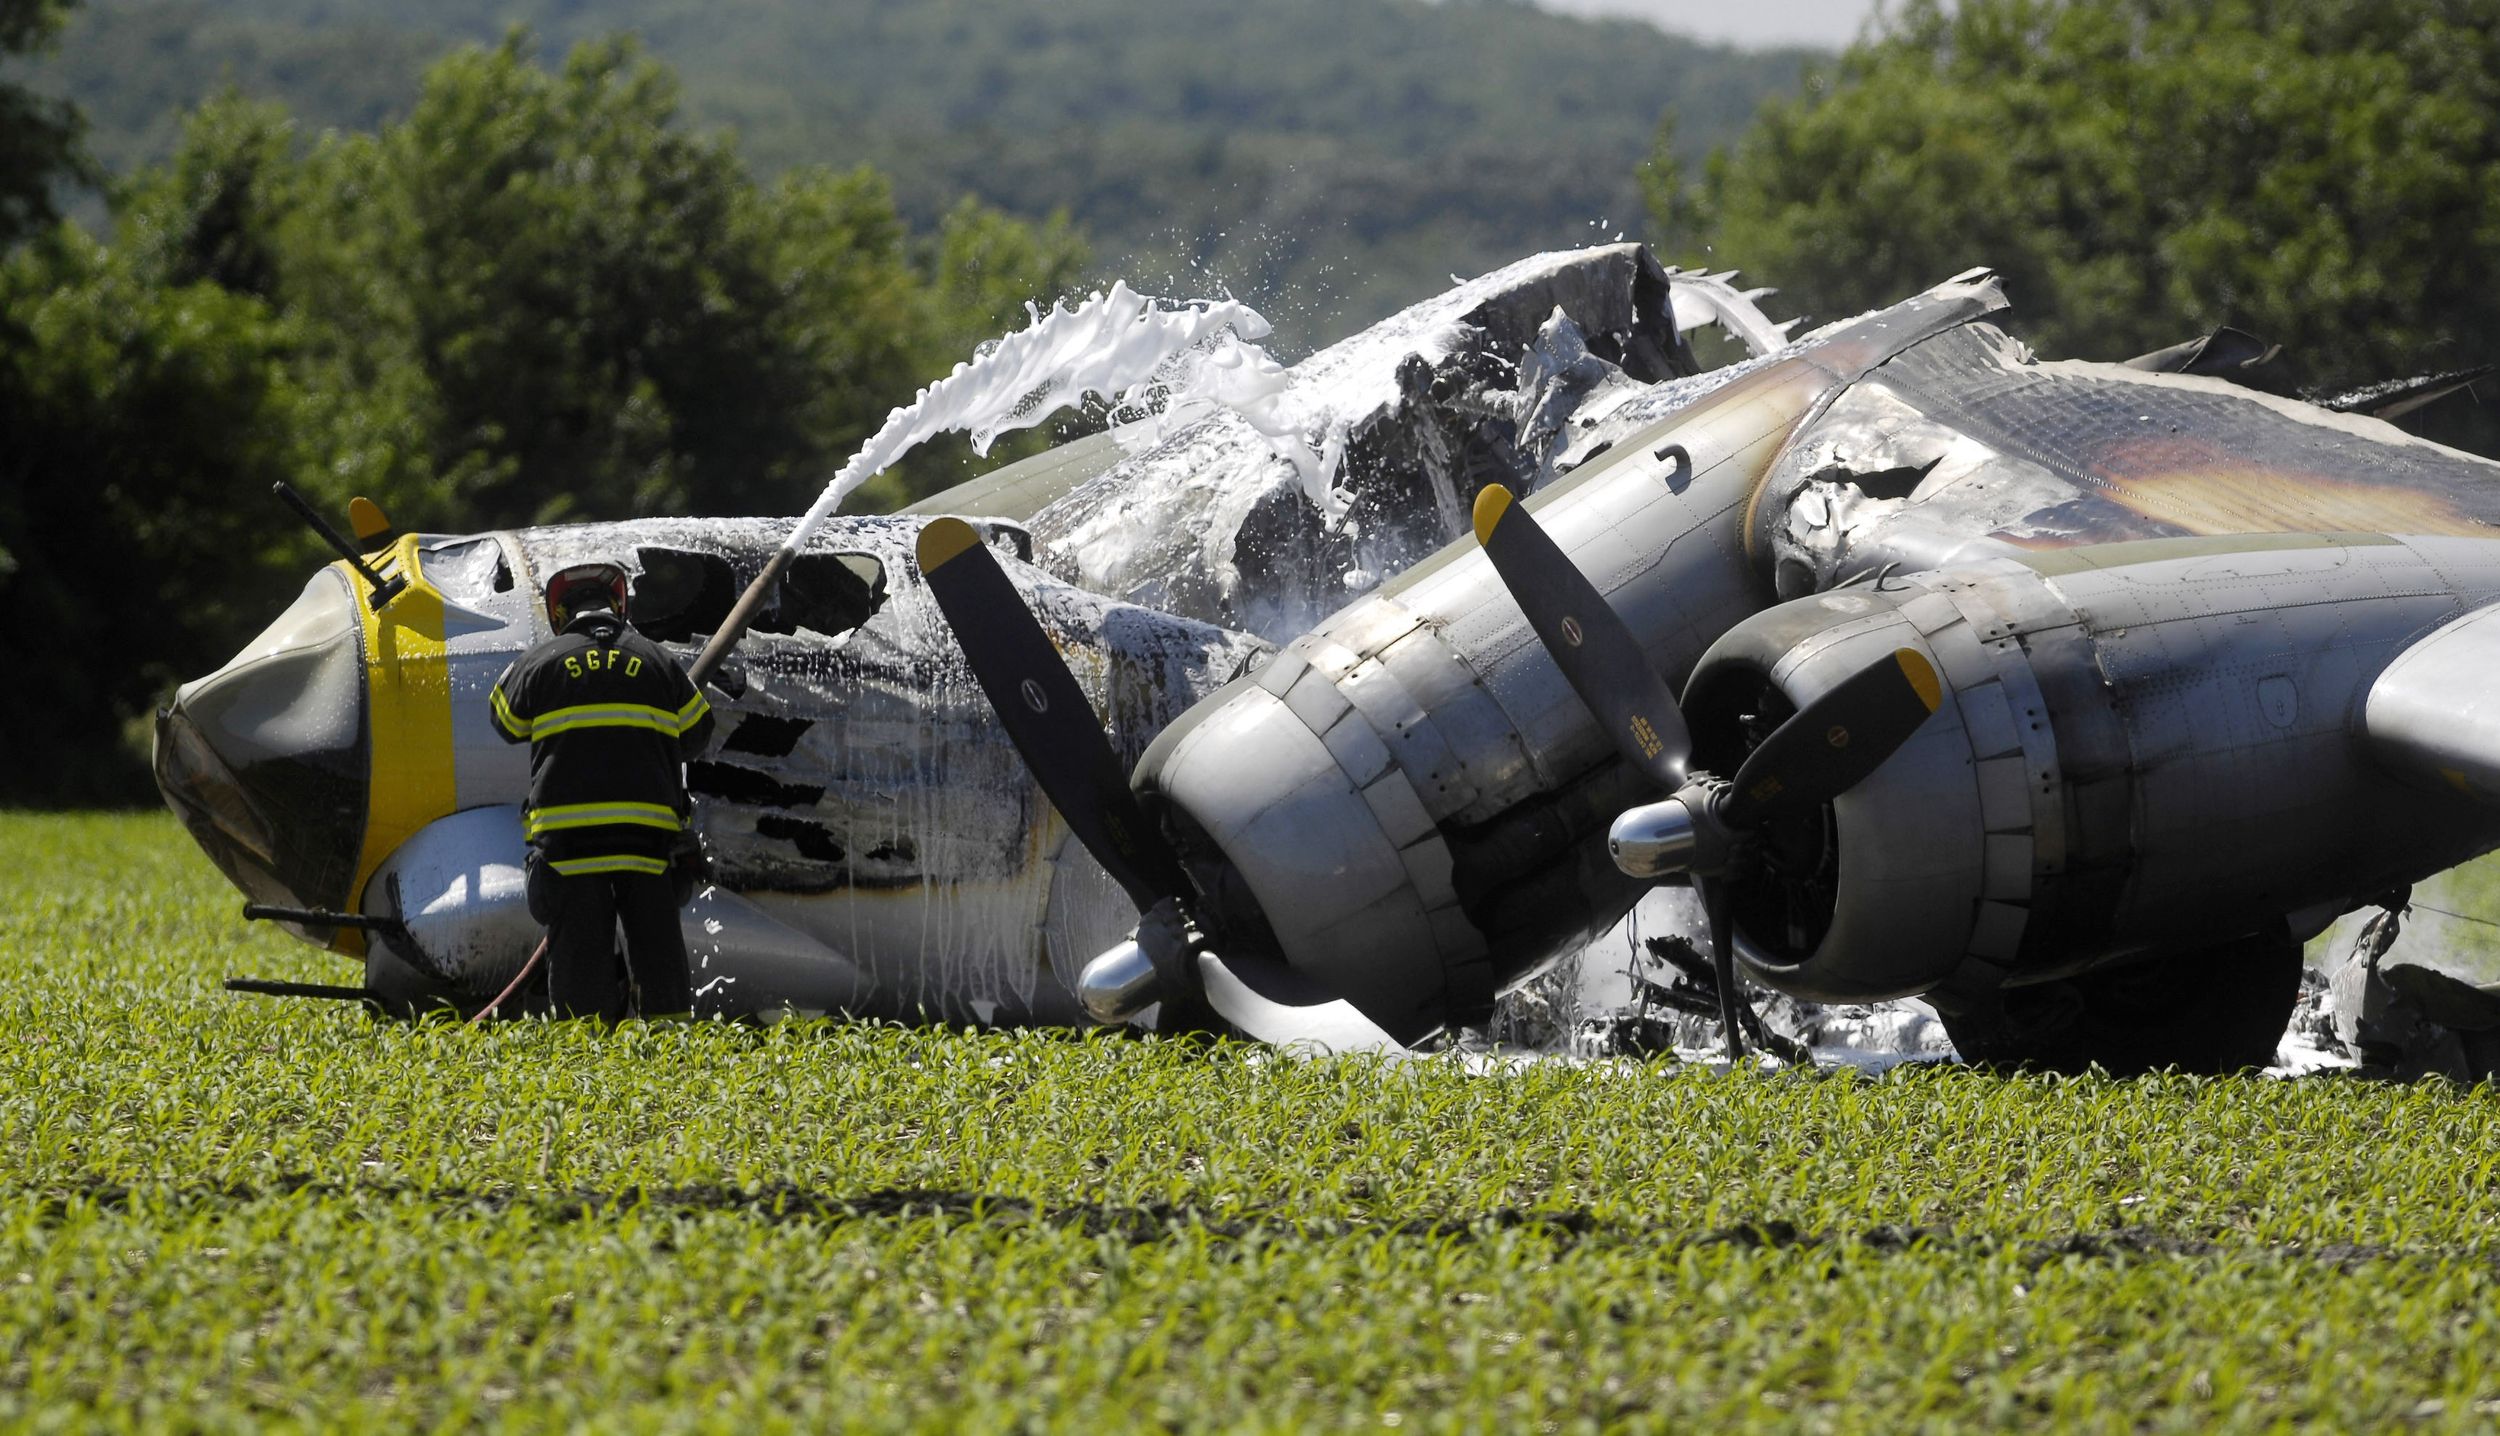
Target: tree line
x: 1327, y: 160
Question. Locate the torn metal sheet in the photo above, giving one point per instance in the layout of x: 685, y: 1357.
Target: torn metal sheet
x: 1494, y: 381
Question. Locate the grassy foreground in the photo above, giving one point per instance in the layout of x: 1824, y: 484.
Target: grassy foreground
x: 237, y: 1213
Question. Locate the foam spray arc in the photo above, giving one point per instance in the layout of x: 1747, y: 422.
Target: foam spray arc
x: 1119, y: 346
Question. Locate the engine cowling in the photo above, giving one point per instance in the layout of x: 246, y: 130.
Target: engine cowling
x: 2141, y: 746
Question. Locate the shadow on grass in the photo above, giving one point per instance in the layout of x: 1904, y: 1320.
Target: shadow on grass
x: 780, y: 1204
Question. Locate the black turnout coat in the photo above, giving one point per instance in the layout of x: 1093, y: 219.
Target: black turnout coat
x: 611, y: 720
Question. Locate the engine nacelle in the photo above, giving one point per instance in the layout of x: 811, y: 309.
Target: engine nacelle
x: 1408, y: 802
x: 2141, y: 745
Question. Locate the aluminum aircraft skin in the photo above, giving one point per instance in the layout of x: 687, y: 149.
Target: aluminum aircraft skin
x: 2209, y: 668
x: 878, y: 847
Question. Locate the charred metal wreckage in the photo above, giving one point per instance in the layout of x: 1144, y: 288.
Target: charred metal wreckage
x: 2196, y: 669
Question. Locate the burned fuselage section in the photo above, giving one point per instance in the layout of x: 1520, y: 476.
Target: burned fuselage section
x: 875, y: 846
x: 1396, y: 430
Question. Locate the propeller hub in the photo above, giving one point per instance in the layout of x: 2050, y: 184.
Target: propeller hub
x: 1655, y: 840
x: 1681, y: 834
x: 1119, y: 984
x: 1157, y: 963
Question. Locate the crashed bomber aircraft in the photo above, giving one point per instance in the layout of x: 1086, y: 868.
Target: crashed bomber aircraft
x: 2212, y: 667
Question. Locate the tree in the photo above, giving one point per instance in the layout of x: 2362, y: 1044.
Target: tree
x: 2324, y: 173
x: 213, y: 212
x: 537, y: 298
x: 145, y: 422
x: 540, y: 298
x: 38, y: 151
x: 38, y: 137
x: 586, y: 292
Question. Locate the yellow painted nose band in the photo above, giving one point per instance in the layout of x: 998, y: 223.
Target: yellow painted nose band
x: 408, y: 715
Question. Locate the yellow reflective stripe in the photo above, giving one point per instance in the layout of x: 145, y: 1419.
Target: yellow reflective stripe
x: 605, y: 715
x: 661, y: 811
x: 592, y: 815
x: 692, y: 713
x: 505, y: 718
x: 620, y: 863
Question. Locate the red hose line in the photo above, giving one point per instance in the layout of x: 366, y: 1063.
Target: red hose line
x: 517, y: 979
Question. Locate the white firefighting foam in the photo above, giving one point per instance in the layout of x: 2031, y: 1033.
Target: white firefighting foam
x: 1119, y: 346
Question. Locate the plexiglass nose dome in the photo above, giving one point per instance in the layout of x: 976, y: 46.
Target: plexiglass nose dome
x: 266, y: 759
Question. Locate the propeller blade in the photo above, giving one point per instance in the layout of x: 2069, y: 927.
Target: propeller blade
x: 1052, y: 725
x: 1836, y: 740
x: 1723, y: 961
x: 1045, y: 713
x: 1275, y: 1004
x: 1598, y: 655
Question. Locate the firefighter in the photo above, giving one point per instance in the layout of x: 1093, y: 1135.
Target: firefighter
x: 611, y: 721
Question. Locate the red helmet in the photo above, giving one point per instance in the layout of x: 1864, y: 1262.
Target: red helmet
x: 583, y: 587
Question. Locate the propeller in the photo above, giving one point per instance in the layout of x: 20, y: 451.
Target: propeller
x: 1053, y: 727
x: 1706, y: 826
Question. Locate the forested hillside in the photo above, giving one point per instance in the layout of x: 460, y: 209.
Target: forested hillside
x: 1327, y: 159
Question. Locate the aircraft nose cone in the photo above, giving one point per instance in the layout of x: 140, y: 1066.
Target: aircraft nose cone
x: 266, y: 762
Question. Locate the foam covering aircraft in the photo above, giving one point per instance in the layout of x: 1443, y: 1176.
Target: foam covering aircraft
x: 2070, y: 696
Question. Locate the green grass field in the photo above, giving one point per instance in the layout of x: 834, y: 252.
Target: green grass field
x: 239, y: 1213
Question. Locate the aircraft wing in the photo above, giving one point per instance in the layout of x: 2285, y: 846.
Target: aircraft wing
x: 1966, y: 446
x: 1024, y: 488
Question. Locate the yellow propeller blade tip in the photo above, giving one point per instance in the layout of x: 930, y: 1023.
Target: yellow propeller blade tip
x: 1922, y: 676
x: 367, y: 519
x: 942, y: 539
x: 1492, y: 501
